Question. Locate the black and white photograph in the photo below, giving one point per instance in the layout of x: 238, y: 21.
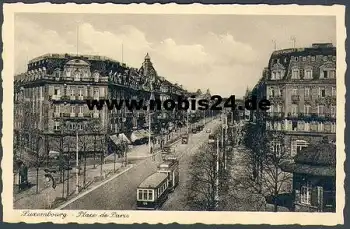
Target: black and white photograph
x: 137, y: 113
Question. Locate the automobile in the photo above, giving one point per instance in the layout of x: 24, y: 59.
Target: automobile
x: 184, y: 139
x: 208, y: 131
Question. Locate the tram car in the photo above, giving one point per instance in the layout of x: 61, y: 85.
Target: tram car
x: 170, y: 167
x: 152, y: 192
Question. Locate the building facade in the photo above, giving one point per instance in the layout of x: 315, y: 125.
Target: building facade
x: 301, y: 86
x: 50, y: 102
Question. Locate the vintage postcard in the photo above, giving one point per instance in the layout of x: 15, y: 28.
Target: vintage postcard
x: 226, y: 114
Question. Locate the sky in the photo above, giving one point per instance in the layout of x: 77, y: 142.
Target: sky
x: 225, y: 53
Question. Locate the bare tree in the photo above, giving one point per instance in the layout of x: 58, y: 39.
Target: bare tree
x: 273, y: 177
x: 202, y: 186
x: 208, y: 187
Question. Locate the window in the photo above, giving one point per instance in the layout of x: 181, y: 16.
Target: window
x: 56, y: 91
x: 294, y: 125
x: 57, y: 108
x: 320, y: 127
x: 320, y: 109
x: 297, y: 145
x: 81, y: 109
x: 333, y: 128
x: 80, y: 91
x: 72, y: 109
x: 150, y: 194
x: 308, y: 74
x: 324, y: 74
x: 296, y: 58
x: 295, y: 74
x: 272, y: 92
x: 276, y: 148
x: 305, y: 193
x: 144, y: 195
x: 140, y: 195
x: 324, y: 58
x: 300, y: 125
x: 306, y: 126
x: 295, y: 91
x: 331, y: 74
x: 322, y: 92
x: 273, y: 76
x: 72, y: 92
x: 307, y: 92
x: 307, y: 109
x: 333, y: 111
x: 280, y: 92
x: 334, y: 92
x: 56, y: 126
x: 96, y: 93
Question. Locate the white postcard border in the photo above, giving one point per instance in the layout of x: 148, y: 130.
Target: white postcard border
x: 182, y: 217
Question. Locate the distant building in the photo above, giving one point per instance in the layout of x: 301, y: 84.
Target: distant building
x: 301, y: 86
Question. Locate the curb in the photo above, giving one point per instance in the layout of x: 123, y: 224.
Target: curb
x: 93, y: 188
x: 108, y: 180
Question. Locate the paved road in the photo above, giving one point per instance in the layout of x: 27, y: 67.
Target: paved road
x: 119, y: 193
x: 177, y: 199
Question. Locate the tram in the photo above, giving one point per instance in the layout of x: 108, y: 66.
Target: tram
x: 152, y: 192
x: 170, y: 167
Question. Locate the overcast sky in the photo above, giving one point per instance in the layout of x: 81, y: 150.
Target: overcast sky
x: 225, y: 53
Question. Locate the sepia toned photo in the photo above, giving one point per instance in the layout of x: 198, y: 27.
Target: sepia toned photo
x: 173, y: 114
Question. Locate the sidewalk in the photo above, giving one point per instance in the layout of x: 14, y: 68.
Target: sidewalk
x: 48, y: 196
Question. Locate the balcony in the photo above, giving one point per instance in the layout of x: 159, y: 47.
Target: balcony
x: 80, y: 97
x: 72, y: 115
x: 80, y: 115
x: 72, y: 97
x: 56, y: 115
x: 295, y: 98
x: 96, y: 115
x: 275, y: 115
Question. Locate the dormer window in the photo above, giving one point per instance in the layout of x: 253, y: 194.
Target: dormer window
x: 324, y: 58
x: 296, y: 59
x: 313, y: 58
x: 295, y: 74
x: 308, y: 73
x: 96, y: 76
x: 304, y: 58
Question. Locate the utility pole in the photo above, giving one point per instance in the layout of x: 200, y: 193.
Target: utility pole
x: 77, y: 164
x: 274, y: 45
x: 293, y: 40
x: 217, y: 174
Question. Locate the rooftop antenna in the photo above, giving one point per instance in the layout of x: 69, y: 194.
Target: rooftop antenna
x: 294, y: 40
x: 122, y: 53
x: 274, y: 45
x: 78, y: 38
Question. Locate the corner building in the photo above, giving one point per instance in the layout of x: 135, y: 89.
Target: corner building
x: 50, y: 102
x: 301, y: 86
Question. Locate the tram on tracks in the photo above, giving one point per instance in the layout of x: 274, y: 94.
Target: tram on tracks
x: 154, y: 190
x: 170, y: 166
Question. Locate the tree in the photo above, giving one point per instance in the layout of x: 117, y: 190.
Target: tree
x: 203, y: 187
x: 266, y: 151
x: 273, y: 177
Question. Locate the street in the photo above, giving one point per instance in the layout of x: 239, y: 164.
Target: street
x: 177, y: 199
x: 119, y: 193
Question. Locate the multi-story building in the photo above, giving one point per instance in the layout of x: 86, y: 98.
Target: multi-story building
x: 301, y: 86
x: 50, y: 102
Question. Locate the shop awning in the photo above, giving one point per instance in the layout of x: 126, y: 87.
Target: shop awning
x: 119, y: 139
x: 139, y: 134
